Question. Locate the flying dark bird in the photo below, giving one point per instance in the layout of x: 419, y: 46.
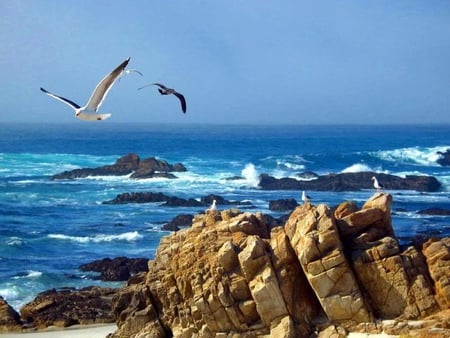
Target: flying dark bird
x: 163, y: 90
x: 89, y: 111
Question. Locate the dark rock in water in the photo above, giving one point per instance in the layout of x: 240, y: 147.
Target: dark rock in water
x: 444, y: 158
x: 138, y: 197
x: 351, y: 182
x: 9, y: 318
x: 288, y: 204
x: 171, y: 201
x: 91, y: 305
x: 435, y: 212
x: 131, y: 163
x: 183, y: 220
x: 117, y: 269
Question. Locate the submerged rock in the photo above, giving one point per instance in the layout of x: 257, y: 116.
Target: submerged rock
x: 444, y: 158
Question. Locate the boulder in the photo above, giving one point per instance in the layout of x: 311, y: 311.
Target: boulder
x: 183, y: 220
x: 351, y: 182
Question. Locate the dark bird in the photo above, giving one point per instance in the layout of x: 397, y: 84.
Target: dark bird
x: 89, y: 111
x: 163, y: 90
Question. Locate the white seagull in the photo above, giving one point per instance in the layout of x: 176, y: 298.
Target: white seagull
x: 305, y: 198
x: 213, y: 206
x: 89, y: 111
x: 163, y: 90
x: 376, y: 184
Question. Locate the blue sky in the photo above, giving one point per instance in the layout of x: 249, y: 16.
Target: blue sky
x: 253, y: 61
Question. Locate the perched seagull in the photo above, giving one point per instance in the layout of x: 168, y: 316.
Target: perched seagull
x: 163, y: 90
x: 305, y: 198
x: 213, y: 206
x: 376, y: 184
x: 89, y: 111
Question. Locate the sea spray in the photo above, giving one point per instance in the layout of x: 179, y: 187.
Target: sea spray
x: 251, y: 175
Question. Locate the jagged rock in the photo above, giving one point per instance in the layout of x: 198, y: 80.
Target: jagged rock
x: 233, y: 275
x: 116, y: 269
x: 67, y: 307
x: 183, y: 220
x: 287, y: 204
x: 138, y: 197
x: 351, y: 182
x: 9, y: 318
x: 315, y: 238
x: 444, y: 158
x: 128, y: 164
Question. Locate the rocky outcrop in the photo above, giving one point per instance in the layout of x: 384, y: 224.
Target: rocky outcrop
x: 126, y: 165
x: 116, y: 269
x: 351, y: 182
x: 67, y: 307
x: 235, y: 274
x: 183, y: 220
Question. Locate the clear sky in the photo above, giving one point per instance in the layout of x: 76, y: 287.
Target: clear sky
x: 252, y: 61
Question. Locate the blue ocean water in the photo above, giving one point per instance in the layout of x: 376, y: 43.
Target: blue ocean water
x: 48, y: 228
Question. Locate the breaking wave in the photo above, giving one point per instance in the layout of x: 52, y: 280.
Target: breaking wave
x: 127, y: 236
x: 412, y: 155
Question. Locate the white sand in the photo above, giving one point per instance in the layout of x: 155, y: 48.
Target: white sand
x: 76, y: 331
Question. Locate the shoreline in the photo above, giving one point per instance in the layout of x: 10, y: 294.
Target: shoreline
x: 74, y: 331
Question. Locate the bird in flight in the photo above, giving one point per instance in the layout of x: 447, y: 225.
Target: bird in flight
x: 163, y: 90
x: 89, y: 111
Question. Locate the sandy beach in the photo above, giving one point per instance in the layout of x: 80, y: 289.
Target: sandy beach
x: 76, y: 331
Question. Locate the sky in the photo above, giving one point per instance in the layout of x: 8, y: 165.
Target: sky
x: 238, y: 62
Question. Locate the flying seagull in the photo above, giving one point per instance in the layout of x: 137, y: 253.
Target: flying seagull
x: 89, y: 111
x: 163, y: 90
x: 305, y: 198
x: 376, y: 184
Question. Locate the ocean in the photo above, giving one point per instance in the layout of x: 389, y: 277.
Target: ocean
x: 50, y: 227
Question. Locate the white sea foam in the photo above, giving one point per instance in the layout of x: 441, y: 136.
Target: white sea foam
x: 414, y: 155
x: 30, y: 274
x: 357, y: 168
x: 15, y: 241
x: 127, y: 236
x: 251, y: 175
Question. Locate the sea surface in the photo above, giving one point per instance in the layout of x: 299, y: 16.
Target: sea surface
x: 50, y: 227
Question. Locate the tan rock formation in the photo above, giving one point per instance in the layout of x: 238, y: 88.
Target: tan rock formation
x: 232, y: 275
x: 9, y: 318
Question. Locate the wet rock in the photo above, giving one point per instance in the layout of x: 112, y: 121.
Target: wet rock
x: 351, y: 182
x: 183, y: 220
x: 288, y: 204
x: 128, y: 164
x: 444, y: 158
x: 116, y: 269
x: 434, y: 212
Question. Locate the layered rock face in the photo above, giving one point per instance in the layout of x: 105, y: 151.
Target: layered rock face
x: 233, y: 275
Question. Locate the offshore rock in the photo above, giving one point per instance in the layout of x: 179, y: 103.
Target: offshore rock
x: 287, y: 204
x: 351, y: 182
x: 116, y: 269
x: 126, y: 165
x: 444, y: 158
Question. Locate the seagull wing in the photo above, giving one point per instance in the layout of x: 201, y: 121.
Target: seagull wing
x: 62, y: 99
x: 182, y: 100
x: 160, y: 85
x: 104, y: 86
